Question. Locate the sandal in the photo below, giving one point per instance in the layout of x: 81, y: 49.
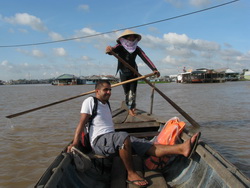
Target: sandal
x: 136, y: 181
x: 194, y: 145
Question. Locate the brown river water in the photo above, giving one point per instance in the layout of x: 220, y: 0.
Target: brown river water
x: 30, y: 142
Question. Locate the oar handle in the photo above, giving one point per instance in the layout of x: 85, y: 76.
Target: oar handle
x: 83, y: 94
x: 182, y: 112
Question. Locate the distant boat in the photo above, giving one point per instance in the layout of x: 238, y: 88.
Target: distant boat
x: 202, y: 76
x: 247, y: 75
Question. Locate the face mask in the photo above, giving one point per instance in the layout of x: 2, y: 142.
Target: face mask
x: 130, y: 46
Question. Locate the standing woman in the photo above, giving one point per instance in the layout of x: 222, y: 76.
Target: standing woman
x: 127, y: 49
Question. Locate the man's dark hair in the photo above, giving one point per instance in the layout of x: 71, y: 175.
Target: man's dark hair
x: 100, y: 83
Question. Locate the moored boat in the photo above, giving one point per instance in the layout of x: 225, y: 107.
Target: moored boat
x: 206, y: 168
x: 247, y: 75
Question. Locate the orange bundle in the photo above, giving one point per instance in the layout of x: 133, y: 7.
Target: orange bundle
x: 168, y: 136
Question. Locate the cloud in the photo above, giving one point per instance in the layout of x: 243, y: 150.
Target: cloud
x: 184, y: 41
x: 200, y: 3
x: 97, y: 41
x: 176, y: 3
x: 85, y: 58
x: 23, y: 30
x: 203, y: 45
x: 27, y: 20
x: 175, y: 50
x: 227, y: 45
x: 153, y: 30
x: 6, y: 65
x: 37, y: 53
x: 32, y: 53
x: 152, y: 42
x: 170, y: 52
x: 85, y: 8
x: 175, y: 39
x: 193, y: 3
x: 16, y: 68
x: 181, y: 52
x: 235, y: 58
x: 55, y: 36
x: 55, y: 74
x: 25, y: 64
x: 85, y: 32
x: 60, y: 52
x: 230, y: 52
x: 11, y: 30
x: 170, y: 60
x: 20, y: 70
x: 34, y: 22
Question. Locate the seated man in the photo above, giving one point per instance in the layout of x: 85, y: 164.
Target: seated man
x: 105, y: 141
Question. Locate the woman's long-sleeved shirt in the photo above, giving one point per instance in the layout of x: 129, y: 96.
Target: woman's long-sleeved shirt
x: 130, y: 59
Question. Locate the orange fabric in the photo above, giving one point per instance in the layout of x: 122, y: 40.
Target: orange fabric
x: 170, y: 132
x: 168, y: 136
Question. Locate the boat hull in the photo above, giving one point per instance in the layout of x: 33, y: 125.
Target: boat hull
x: 206, y: 168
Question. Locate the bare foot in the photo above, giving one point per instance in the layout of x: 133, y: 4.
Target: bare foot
x: 135, y: 179
x: 132, y: 112
x: 189, y: 144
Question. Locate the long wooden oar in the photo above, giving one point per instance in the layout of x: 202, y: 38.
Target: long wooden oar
x: 182, y: 112
x: 83, y: 94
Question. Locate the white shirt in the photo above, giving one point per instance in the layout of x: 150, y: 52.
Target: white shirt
x: 102, y: 123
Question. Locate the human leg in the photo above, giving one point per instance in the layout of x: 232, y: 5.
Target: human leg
x: 132, y: 97
x: 184, y: 149
x: 126, y: 87
x: 109, y: 144
x: 118, y: 143
x: 126, y: 156
x: 129, y: 91
x: 131, y: 102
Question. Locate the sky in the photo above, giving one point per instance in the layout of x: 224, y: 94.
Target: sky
x: 214, y: 39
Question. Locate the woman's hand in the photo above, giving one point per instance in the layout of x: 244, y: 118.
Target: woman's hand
x: 157, y: 73
x: 108, y: 49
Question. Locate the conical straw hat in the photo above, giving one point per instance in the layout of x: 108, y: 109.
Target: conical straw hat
x: 128, y: 32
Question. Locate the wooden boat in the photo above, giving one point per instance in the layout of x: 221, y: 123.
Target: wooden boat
x: 206, y: 168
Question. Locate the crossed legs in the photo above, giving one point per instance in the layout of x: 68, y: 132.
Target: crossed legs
x: 155, y: 150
